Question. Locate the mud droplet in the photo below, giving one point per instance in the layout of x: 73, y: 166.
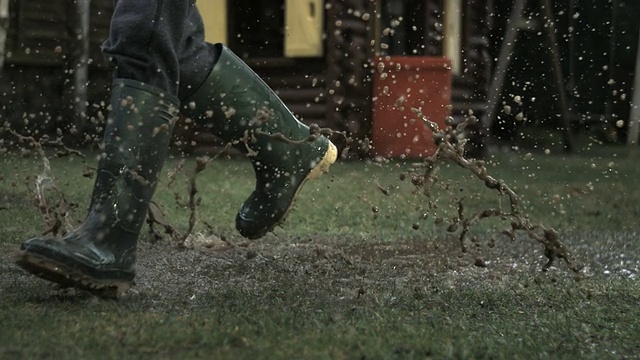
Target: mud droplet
x: 480, y: 263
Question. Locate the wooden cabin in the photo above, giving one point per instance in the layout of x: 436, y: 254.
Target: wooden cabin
x: 322, y: 57
x: 46, y: 51
x: 319, y: 56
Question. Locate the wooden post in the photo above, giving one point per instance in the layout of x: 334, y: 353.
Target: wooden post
x: 81, y: 73
x: 504, y: 58
x: 554, y: 54
x: 514, y: 25
x: 4, y: 28
x: 453, y: 34
x: 634, y: 115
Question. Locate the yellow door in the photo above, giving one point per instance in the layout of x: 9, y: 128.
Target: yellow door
x: 214, y: 15
x: 304, y: 27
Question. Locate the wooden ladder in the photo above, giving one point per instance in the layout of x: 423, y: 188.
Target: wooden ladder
x: 515, y: 24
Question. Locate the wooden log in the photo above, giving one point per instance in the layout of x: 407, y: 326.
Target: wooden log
x: 315, y: 111
x: 311, y: 95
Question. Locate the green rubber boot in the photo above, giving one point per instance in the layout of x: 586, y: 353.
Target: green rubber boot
x: 241, y: 109
x: 100, y: 255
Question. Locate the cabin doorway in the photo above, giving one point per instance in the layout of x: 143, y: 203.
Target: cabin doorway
x: 257, y: 28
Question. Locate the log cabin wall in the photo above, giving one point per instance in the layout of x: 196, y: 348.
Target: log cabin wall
x: 302, y: 86
x: 41, y: 51
x: 300, y: 83
x: 256, y: 33
x: 349, y: 59
x: 332, y: 90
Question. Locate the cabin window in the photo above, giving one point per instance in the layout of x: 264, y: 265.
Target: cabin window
x: 304, y: 28
x: 256, y: 28
x: 266, y: 28
x: 214, y: 15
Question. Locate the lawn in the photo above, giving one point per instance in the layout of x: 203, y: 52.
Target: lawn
x: 363, y: 268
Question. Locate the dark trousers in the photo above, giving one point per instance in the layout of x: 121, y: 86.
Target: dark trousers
x: 161, y: 43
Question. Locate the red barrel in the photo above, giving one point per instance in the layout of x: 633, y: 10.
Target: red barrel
x: 400, y: 84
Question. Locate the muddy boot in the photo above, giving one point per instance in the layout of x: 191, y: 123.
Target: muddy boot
x: 241, y: 109
x: 100, y: 255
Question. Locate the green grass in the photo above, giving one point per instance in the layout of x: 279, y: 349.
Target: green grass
x: 457, y: 323
x: 341, y: 281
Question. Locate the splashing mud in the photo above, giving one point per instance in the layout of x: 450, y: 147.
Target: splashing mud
x: 450, y: 148
x: 56, y: 209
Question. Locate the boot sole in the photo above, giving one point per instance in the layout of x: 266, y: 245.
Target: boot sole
x: 67, y: 277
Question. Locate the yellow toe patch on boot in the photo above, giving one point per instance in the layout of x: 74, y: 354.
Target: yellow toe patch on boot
x: 323, y: 166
